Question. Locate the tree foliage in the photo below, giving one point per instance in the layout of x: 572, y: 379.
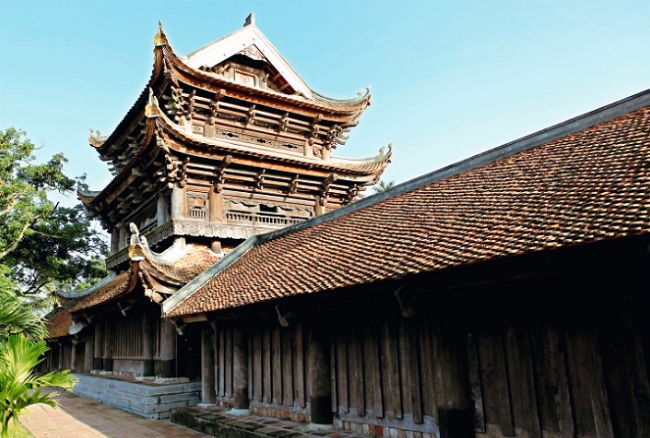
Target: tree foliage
x: 42, y: 245
x: 20, y: 385
x: 382, y: 186
x: 16, y: 317
x: 22, y: 348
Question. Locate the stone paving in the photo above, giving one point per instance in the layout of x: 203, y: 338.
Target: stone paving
x: 79, y: 417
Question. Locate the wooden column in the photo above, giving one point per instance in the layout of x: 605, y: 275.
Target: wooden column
x: 309, y: 150
x: 162, y: 209
x: 124, y: 237
x: 98, y: 354
x: 115, y: 240
x: 60, y: 364
x: 89, y: 348
x: 73, y: 355
x: 166, y: 366
x: 215, y: 204
x: 208, y: 394
x: 455, y: 407
x: 147, y: 345
x: 319, y: 373
x: 178, y: 203
x: 108, y: 347
x: 319, y: 207
x: 240, y: 370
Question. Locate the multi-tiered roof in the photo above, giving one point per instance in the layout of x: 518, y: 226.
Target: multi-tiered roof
x: 242, y: 136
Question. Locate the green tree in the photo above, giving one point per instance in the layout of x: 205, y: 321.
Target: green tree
x: 382, y: 186
x: 42, y: 245
x: 16, y: 317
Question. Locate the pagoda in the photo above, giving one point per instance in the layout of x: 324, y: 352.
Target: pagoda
x: 223, y: 144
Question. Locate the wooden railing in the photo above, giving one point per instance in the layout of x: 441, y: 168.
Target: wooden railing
x: 261, y: 219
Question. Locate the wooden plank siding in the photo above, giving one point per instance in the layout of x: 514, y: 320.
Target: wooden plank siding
x: 524, y: 377
x: 562, y: 382
x: 127, y: 332
x: 382, y: 373
x: 528, y: 380
x: 277, y: 371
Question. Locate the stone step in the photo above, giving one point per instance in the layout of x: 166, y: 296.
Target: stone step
x: 219, y: 422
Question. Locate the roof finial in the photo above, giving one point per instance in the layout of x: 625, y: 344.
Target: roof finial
x: 161, y: 38
x: 151, y: 109
x: 250, y: 20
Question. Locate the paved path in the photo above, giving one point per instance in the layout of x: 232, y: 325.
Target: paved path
x: 79, y: 417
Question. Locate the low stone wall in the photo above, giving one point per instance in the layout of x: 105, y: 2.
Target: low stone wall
x: 147, y: 400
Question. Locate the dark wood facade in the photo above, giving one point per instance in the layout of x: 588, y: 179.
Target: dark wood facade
x: 535, y: 346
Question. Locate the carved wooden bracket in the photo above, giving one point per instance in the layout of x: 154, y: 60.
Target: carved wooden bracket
x: 220, y: 176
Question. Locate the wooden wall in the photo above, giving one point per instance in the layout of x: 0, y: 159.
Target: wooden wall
x: 532, y: 380
x: 127, y: 332
x: 555, y: 382
x: 382, y: 374
x: 277, y: 369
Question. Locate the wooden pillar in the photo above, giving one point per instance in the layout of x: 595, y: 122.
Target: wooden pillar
x: 115, y: 240
x: 319, y: 373
x: 60, y: 364
x: 208, y: 394
x: 98, y: 354
x: 319, y: 207
x: 326, y: 153
x: 73, y: 355
x: 89, y: 348
x: 166, y: 365
x: 215, y: 204
x: 240, y: 370
x: 309, y: 150
x: 455, y: 407
x: 108, y: 347
x: 147, y: 345
x: 178, y: 203
x: 162, y: 209
x: 124, y: 237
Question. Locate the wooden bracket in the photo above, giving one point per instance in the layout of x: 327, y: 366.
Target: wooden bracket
x: 405, y: 303
x: 284, y: 319
x: 217, y: 185
x: 179, y: 327
x: 123, y: 309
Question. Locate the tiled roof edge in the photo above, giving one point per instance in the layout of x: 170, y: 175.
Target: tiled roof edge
x: 192, y: 286
x: 82, y: 293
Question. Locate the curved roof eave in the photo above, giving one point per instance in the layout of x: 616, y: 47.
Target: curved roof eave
x: 364, y: 166
x: 126, y: 170
x: 138, y: 107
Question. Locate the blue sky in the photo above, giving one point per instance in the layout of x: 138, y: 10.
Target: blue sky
x: 449, y: 79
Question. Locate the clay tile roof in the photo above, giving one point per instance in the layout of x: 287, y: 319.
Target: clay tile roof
x: 115, y: 289
x: 58, y: 323
x: 563, y: 186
